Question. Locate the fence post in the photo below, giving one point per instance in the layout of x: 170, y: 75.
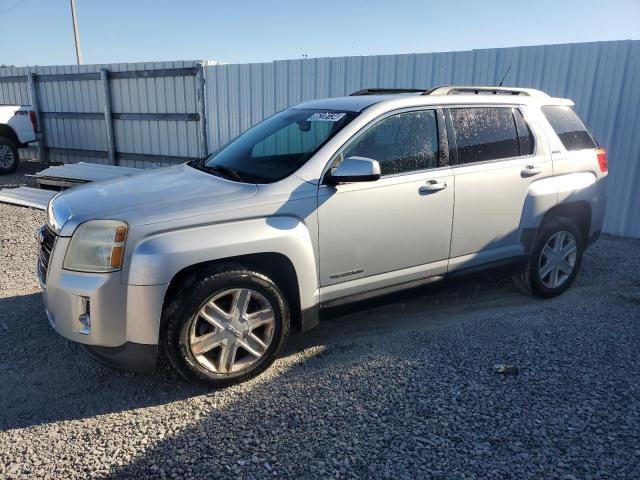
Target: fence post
x: 202, y: 109
x: 108, y: 116
x: 35, y: 105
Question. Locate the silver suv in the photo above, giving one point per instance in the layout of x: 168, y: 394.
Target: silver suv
x: 330, y: 201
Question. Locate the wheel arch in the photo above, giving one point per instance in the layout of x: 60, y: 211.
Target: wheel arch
x: 579, y: 212
x: 281, y: 247
x: 7, y: 132
x: 277, y: 266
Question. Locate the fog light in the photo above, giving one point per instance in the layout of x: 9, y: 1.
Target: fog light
x: 85, y: 316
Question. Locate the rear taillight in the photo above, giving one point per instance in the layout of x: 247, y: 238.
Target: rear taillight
x: 34, y: 120
x: 602, y: 159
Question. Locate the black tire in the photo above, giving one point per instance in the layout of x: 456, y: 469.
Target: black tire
x: 183, y: 311
x: 8, y: 165
x: 529, y: 281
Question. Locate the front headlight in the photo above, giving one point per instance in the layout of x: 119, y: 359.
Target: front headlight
x: 97, y: 246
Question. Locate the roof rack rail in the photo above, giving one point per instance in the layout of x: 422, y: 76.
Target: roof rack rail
x: 484, y: 90
x: 454, y: 90
x: 384, y: 91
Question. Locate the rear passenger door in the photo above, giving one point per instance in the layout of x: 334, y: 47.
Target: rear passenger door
x: 496, y: 158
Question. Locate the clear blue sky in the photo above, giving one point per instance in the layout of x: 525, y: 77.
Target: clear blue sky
x: 239, y: 31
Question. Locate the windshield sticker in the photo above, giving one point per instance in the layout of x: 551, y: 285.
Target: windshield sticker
x: 325, y: 117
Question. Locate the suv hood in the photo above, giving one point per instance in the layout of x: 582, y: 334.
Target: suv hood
x: 149, y: 197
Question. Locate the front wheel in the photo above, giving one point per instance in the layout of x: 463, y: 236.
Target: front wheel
x: 554, y: 260
x: 227, y: 327
x: 9, y: 157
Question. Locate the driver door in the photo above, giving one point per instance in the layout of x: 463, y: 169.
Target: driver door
x: 396, y: 229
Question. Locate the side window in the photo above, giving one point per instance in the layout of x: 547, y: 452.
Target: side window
x: 402, y: 143
x: 571, y: 131
x: 484, y: 133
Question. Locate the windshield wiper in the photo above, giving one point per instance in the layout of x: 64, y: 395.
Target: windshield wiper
x: 227, y: 172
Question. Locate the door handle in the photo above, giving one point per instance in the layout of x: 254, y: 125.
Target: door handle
x: 432, y: 186
x: 530, y: 171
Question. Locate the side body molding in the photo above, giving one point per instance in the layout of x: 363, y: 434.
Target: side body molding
x: 159, y: 257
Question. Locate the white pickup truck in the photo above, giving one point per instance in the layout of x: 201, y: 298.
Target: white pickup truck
x: 17, y: 129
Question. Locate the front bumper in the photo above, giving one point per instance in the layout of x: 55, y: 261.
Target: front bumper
x: 117, y: 324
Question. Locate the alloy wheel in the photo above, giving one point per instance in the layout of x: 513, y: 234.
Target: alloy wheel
x: 232, y: 330
x: 558, y: 259
x: 6, y: 156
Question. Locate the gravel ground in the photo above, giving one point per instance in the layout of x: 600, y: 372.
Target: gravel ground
x: 399, y: 388
x: 28, y: 166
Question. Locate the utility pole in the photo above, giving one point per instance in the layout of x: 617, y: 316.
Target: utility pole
x: 76, y: 34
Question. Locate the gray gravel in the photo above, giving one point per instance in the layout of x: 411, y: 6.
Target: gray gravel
x: 29, y: 165
x: 403, y: 388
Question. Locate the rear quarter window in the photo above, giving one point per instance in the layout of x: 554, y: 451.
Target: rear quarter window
x: 568, y: 126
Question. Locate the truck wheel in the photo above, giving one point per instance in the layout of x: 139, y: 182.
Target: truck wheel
x: 9, y: 157
x: 554, y: 260
x: 226, y: 327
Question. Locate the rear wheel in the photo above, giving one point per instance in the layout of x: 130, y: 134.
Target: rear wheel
x: 228, y: 327
x: 9, y: 157
x: 554, y: 260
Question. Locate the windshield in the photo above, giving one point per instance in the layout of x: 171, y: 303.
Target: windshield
x: 278, y: 146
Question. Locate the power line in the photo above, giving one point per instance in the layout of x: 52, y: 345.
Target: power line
x: 12, y: 7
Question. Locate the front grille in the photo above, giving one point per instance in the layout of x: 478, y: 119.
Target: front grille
x: 47, y: 239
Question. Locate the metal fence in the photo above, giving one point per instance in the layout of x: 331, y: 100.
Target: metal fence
x: 602, y: 78
x: 121, y: 114
x: 160, y: 118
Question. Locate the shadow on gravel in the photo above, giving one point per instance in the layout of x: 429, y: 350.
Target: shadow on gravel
x: 22, y: 176
x: 265, y: 430
x: 47, y: 378
x: 426, y: 404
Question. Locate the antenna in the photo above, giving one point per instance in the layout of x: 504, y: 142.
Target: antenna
x: 505, y: 75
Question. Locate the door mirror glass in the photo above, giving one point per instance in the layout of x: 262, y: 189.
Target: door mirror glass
x: 355, y: 169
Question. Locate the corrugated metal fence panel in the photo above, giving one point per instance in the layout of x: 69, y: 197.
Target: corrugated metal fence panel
x: 169, y: 94
x: 83, y: 96
x: 603, y: 79
x: 15, y: 92
x: 155, y: 95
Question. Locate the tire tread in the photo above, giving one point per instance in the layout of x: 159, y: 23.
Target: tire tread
x: 12, y: 146
x: 173, y: 319
x: 524, y: 281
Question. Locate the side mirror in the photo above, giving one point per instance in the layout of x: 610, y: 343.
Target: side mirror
x: 354, y: 169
